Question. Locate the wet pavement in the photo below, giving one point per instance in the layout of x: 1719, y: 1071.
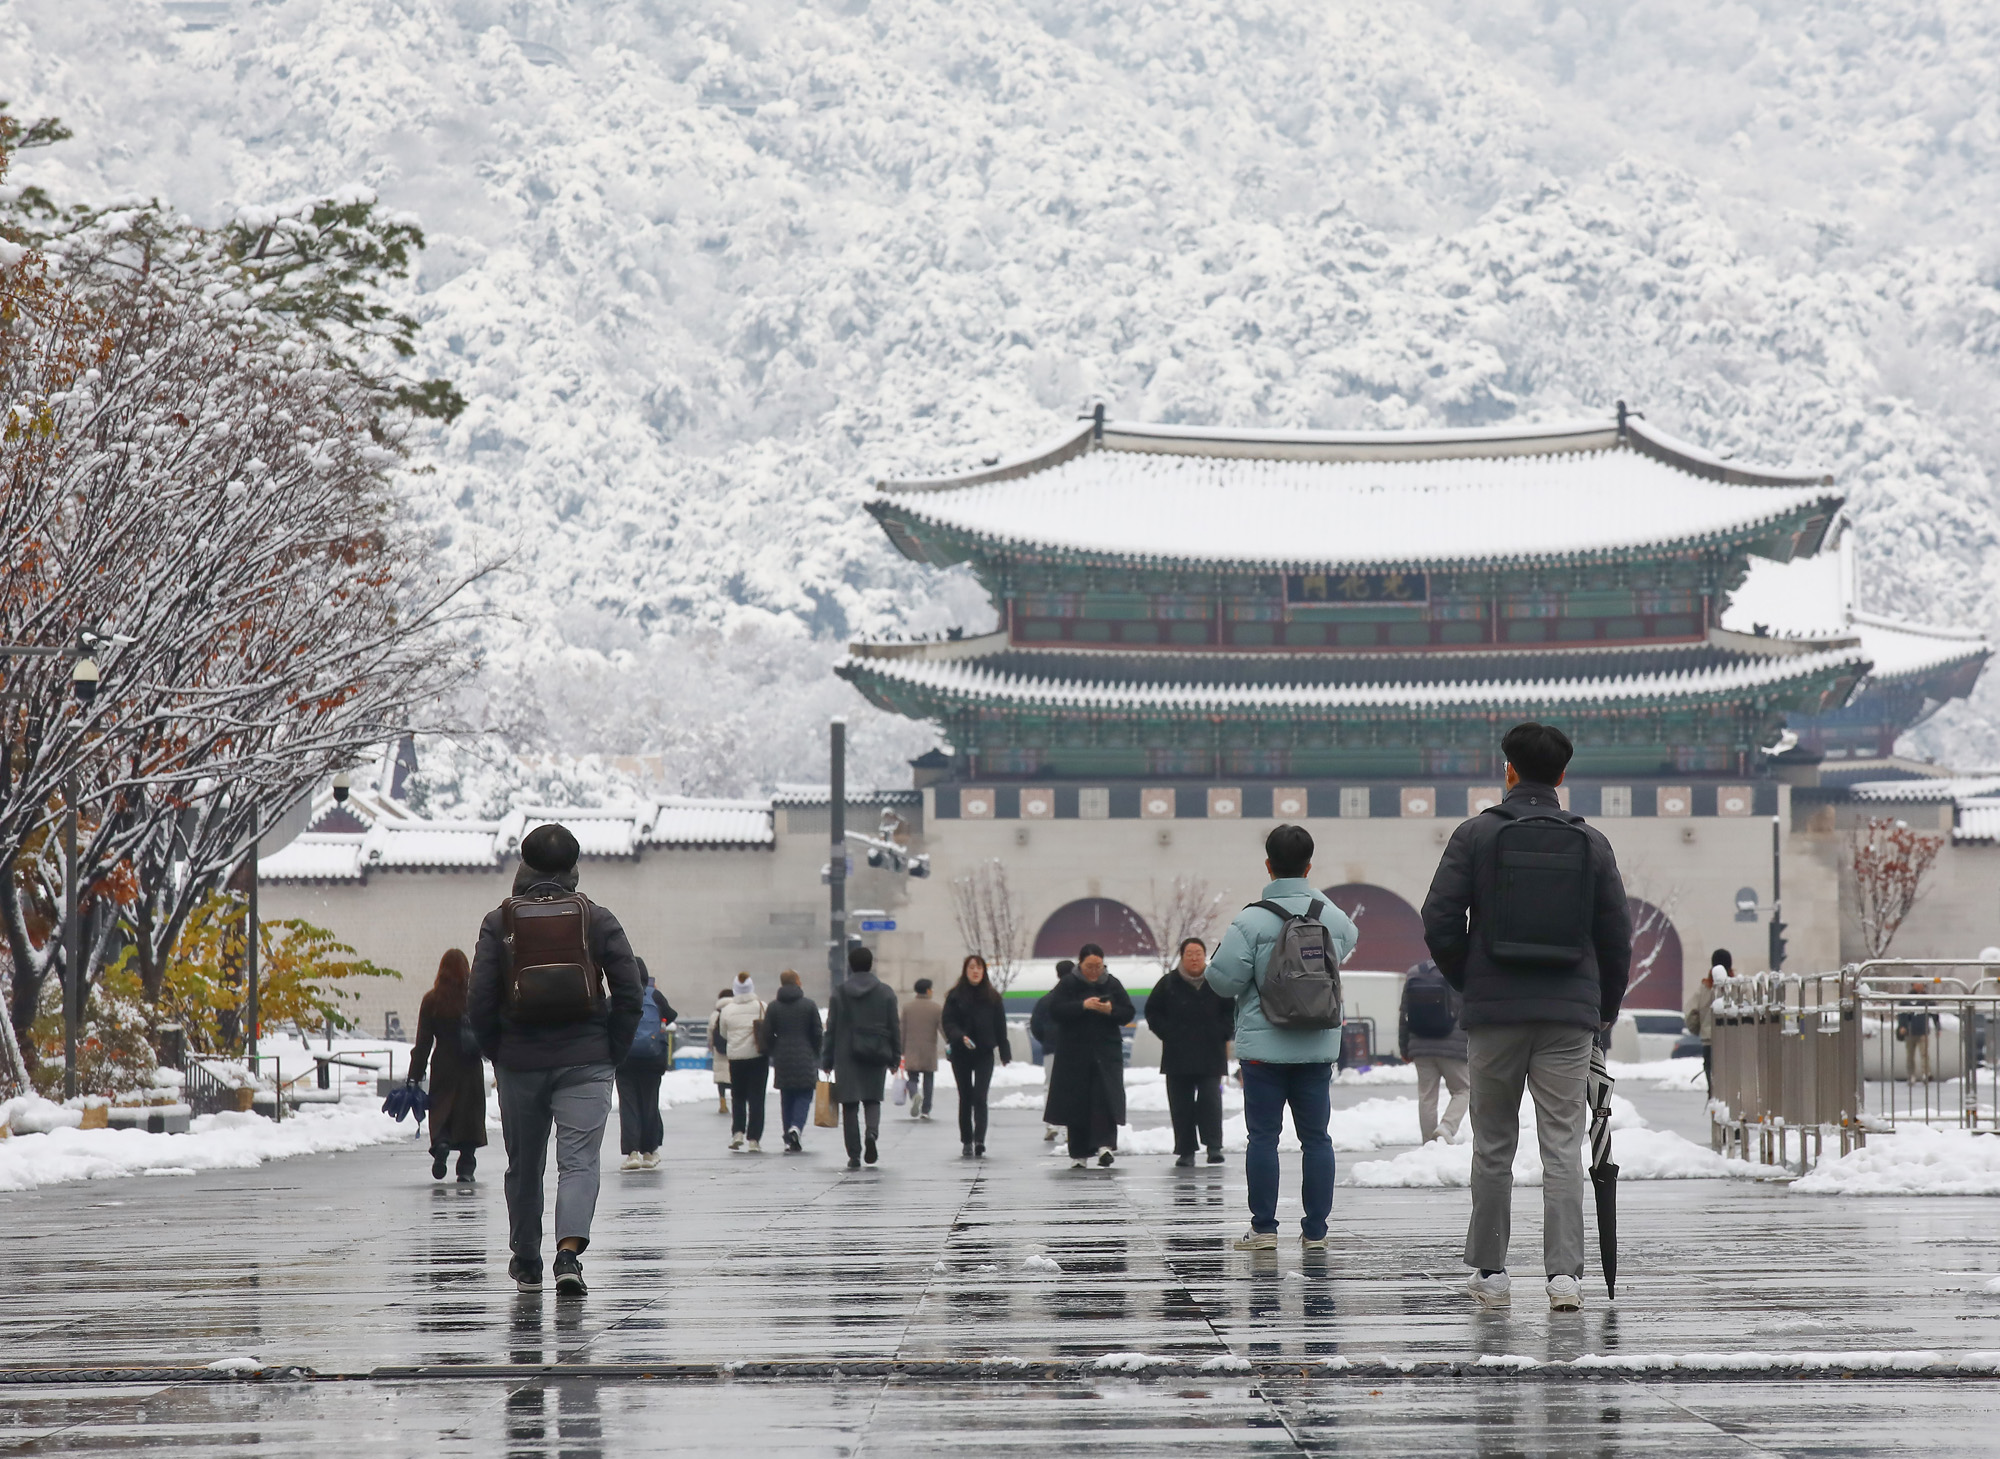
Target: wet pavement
x: 780, y: 1304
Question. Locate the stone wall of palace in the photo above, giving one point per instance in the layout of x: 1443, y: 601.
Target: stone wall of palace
x: 699, y: 915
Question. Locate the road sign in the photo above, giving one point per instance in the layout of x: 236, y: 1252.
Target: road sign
x: 878, y: 924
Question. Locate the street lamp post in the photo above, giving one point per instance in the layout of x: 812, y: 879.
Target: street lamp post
x: 836, y: 861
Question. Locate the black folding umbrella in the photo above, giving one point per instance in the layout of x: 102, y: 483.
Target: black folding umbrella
x: 407, y: 1099
x: 1603, y: 1174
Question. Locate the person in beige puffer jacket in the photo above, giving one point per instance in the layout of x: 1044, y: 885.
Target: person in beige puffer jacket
x: 740, y: 1024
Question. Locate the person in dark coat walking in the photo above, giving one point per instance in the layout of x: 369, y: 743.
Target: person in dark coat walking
x: 1194, y: 1025
x: 1087, y: 1093
x: 1044, y: 1032
x: 553, y: 1076
x: 1428, y: 1035
x: 446, y: 1047
x: 641, y: 1131
x: 864, y: 1041
x: 792, y: 1033
x: 1530, y: 1022
x: 975, y: 1029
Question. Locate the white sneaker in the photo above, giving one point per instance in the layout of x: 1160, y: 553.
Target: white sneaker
x: 1565, y: 1294
x: 736, y: 1142
x: 1256, y: 1241
x: 1313, y: 1243
x: 1493, y: 1291
x: 653, y: 1160
x: 634, y: 1161
x: 1079, y: 1165
x: 754, y: 1148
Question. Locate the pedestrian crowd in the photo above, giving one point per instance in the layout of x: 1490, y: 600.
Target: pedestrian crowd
x: 1530, y: 945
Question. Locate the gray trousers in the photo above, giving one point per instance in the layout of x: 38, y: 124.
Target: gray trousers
x: 1552, y: 1060
x: 1429, y: 1073
x: 576, y: 1101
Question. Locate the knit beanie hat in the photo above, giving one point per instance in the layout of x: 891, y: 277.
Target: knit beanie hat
x: 550, y: 848
x: 744, y: 987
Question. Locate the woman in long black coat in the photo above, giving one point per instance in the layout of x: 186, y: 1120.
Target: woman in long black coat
x: 1087, y: 1094
x: 792, y: 1034
x: 975, y: 1029
x: 446, y: 1048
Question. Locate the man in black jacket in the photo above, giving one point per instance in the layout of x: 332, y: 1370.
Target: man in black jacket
x: 1087, y: 1092
x: 1533, y: 1004
x: 1194, y: 1025
x: 553, y: 1074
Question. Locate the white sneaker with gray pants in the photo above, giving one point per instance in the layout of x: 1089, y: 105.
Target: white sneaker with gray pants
x: 1552, y: 1061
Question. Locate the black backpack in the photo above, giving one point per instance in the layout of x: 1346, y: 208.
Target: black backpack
x: 1544, y: 904
x: 1429, y: 1010
x: 1301, y: 987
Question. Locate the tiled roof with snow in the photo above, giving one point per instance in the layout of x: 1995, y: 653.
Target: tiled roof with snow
x: 415, y: 844
x: 970, y: 682
x: 1942, y: 788
x: 1810, y: 597
x: 1292, y: 499
x: 1978, y: 820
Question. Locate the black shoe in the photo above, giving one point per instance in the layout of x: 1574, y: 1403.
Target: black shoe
x: 792, y: 1142
x: 569, y: 1275
x: 965, y: 1151
x: 466, y: 1165
x: 979, y: 1151
x: 1214, y: 1157
x: 1105, y: 1157
x: 527, y: 1278
x: 868, y: 1150
x: 439, y: 1154
x: 852, y: 1163
x: 1185, y: 1162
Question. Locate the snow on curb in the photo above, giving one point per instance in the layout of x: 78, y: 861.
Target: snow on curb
x: 228, y: 1141
x: 1915, y: 1161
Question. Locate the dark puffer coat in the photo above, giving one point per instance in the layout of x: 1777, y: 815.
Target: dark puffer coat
x: 792, y: 1034
x: 600, y: 1040
x: 1092, y: 1062
x: 1585, y: 994
x: 863, y: 1001
x: 1194, y: 1024
x: 980, y: 1017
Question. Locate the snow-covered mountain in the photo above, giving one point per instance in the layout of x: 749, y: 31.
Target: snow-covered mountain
x: 704, y: 268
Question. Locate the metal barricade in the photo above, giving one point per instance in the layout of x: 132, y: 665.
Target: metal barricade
x: 1834, y: 1057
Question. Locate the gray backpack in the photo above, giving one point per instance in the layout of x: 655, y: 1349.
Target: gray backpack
x: 1301, y: 986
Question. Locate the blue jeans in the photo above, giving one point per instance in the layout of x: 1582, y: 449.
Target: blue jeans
x: 1267, y: 1090
x: 796, y: 1105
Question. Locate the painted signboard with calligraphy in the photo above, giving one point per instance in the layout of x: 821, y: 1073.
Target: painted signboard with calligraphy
x: 1356, y: 589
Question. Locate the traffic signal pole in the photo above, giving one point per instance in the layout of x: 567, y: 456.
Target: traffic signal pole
x: 1777, y: 901
x: 836, y: 860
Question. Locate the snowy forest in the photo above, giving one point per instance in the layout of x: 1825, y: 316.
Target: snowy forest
x: 702, y: 270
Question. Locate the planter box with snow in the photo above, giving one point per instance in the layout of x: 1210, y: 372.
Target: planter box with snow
x: 156, y: 1119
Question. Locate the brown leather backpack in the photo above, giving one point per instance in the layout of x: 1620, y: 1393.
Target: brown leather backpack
x: 551, y: 976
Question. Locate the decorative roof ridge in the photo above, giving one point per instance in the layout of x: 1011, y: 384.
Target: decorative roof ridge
x: 1972, y: 636
x: 1624, y: 430
x: 992, y: 645
x: 971, y: 679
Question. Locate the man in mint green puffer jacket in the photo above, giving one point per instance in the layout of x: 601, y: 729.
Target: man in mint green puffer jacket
x: 1282, y: 1067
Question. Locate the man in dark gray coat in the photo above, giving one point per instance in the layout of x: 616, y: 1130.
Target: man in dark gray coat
x: 553, y: 1075
x: 1530, y: 1020
x: 864, y: 1041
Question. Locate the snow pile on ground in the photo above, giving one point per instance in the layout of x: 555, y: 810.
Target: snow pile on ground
x: 227, y: 1141
x: 1659, y: 1073
x: 1915, y: 1161
x: 1641, y: 1153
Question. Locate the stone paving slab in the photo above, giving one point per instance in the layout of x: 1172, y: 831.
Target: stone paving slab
x: 359, y: 1264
